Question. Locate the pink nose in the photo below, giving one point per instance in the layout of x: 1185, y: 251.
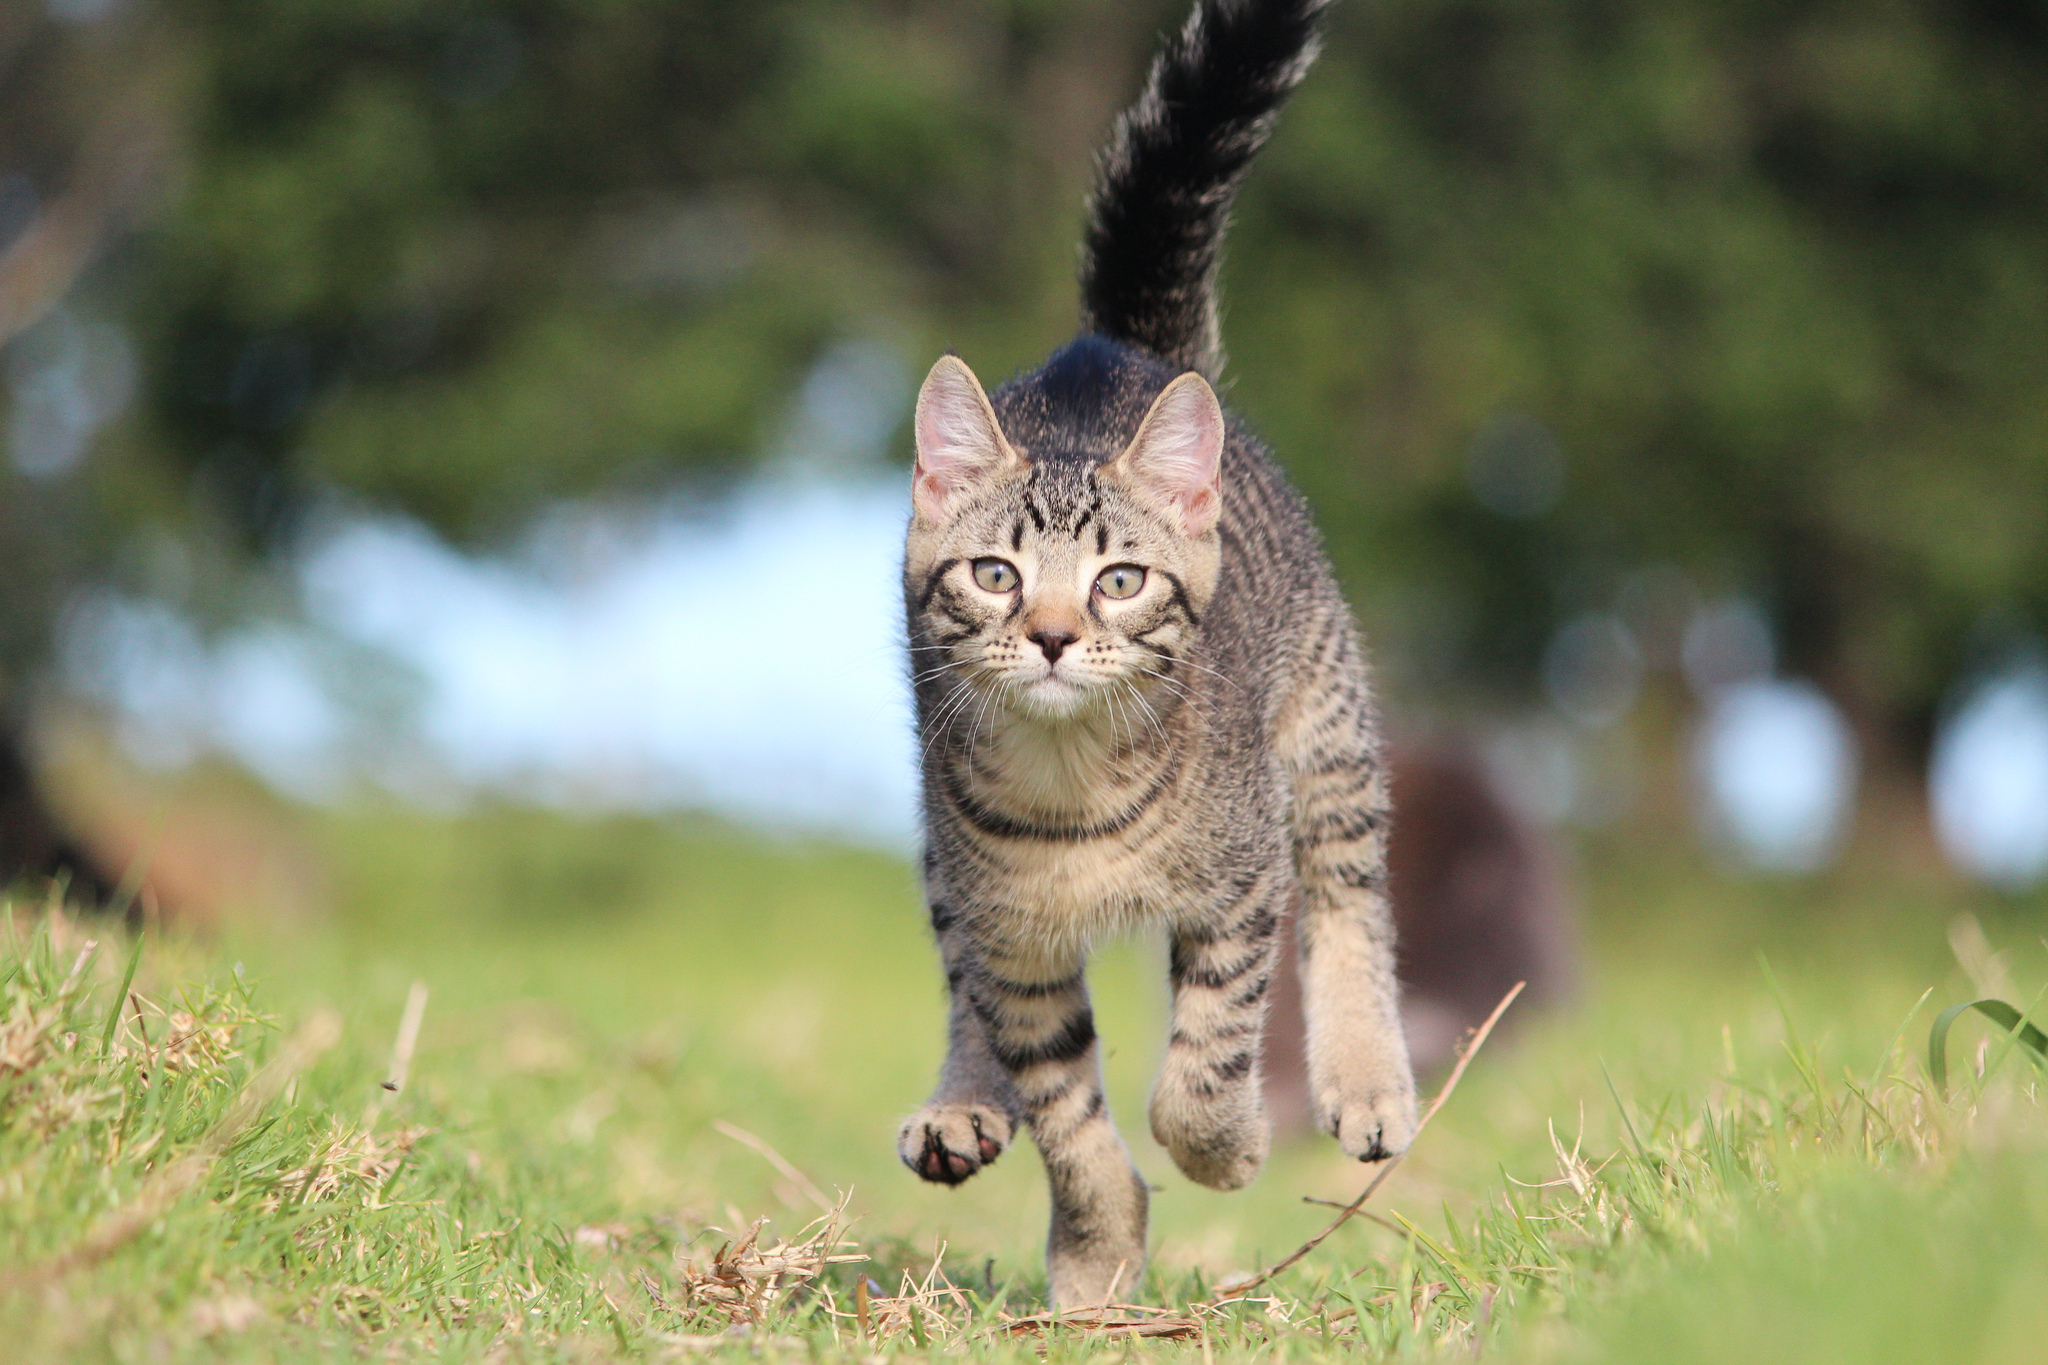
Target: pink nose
x: 1052, y: 642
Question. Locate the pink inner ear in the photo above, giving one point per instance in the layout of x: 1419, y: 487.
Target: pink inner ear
x: 957, y: 442
x: 1178, y: 455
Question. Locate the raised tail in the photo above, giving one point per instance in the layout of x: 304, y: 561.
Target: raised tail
x: 1167, y: 177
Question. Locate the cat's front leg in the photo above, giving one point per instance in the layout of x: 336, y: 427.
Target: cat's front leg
x: 1208, y: 1108
x: 1360, y: 1080
x: 974, y: 1111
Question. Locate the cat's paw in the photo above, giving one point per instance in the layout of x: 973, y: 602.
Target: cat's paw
x: 1217, y: 1140
x: 1373, y: 1125
x: 946, y: 1143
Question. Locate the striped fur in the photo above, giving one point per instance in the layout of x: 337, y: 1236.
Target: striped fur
x: 1192, y: 754
x: 1172, y: 166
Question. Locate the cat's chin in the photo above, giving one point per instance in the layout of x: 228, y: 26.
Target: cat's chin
x: 1053, y: 698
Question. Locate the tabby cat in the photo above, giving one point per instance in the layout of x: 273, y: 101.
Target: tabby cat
x: 1142, y: 700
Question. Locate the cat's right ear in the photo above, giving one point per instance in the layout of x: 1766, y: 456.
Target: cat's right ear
x: 959, y: 444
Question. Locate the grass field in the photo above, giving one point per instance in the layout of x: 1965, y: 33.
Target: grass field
x: 1732, y: 1149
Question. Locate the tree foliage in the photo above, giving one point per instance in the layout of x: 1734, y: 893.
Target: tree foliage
x: 1758, y: 291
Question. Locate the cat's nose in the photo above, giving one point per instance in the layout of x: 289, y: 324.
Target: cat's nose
x: 1052, y: 642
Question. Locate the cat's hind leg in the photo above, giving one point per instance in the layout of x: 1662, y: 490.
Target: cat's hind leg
x: 1039, y: 1026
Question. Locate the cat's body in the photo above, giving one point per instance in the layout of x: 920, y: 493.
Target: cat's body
x: 1142, y: 701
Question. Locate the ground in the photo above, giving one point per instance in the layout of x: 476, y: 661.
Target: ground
x: 638, y: 1037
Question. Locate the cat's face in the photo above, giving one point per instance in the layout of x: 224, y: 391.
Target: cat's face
x: 1057, y: 587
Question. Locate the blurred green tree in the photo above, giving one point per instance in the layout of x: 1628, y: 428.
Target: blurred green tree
x: 1774, y: 279
x: 1758, y: 291
x: 467, y: 259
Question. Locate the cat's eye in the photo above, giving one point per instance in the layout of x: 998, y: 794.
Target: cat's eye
x: 1120, y: 581
x: 995, y: 575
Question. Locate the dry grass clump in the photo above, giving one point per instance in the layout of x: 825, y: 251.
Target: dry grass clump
x: 746, y: 1283
x: 351, y: 1161
x: 66, y: 1059
x: 35, y: 1095
x: 1115, y: 1320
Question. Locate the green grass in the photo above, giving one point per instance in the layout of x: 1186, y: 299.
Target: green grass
x: 1732, y: 1148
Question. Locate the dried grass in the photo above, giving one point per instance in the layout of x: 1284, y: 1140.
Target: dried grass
x: 351, y: 1161
x: 746, y: 1283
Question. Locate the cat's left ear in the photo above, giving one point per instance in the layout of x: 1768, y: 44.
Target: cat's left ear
x: 1177, y: 456
x: 960, y: 445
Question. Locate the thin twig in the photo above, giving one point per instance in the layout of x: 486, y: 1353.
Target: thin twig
x: 1465, y: 1055
x: 1110, y: 1293
x: 777, y: 1160
x: 403, y: 1047
x: 1367, y: 1214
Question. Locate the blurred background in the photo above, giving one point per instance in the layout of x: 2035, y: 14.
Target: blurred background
x: 430, y: 405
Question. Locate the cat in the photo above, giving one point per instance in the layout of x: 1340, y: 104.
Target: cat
x: 1142, y: 700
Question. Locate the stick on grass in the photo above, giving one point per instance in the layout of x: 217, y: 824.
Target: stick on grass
x: 1465, y: 1056
x: 403, y: 1047
x: 778, y: 1161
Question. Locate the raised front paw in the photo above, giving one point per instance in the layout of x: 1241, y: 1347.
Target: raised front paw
x: 946, y: 1143
x: 1372, y: 1125
x: 1218, y: 1137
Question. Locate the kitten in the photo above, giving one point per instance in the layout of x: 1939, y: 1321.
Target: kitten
x: 1142, y: 700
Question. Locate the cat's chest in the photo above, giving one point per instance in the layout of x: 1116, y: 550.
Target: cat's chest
x: 1061, y: 779
x: 1082, y: 840
x: 1084, y: 888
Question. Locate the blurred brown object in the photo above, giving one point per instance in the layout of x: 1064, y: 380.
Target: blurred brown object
x: 35, y: 844
x: 205, y: 846
x: 1480, y: 902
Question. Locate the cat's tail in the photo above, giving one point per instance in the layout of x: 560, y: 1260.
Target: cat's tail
x: 1171, y: 168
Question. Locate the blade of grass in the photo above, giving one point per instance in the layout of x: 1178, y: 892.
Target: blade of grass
x: 131, y: 881
x: 1802, y: 1063
x: 2000, y: 1013
x: 2013, y: 1039
x: 121, y: 996
x: 1627, y: 1124
x: 1877, y: 1072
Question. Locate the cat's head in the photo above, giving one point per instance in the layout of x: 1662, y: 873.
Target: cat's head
x: 1053, y: 578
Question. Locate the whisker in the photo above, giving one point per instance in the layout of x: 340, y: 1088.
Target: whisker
x: 1114, y: 697
x: 1151, y: 714
x: 942, y: 718
x: 998, y: 700
x: 974, y: 733
x: 1186, y: 695
x: 1167, y: 680
x: 942, y: 721
x: 1201, y: 667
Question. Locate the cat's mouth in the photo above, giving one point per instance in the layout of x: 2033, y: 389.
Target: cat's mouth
x: 1054, y: 693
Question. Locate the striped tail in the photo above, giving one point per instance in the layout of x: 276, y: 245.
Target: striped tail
x: 1166, y: 180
